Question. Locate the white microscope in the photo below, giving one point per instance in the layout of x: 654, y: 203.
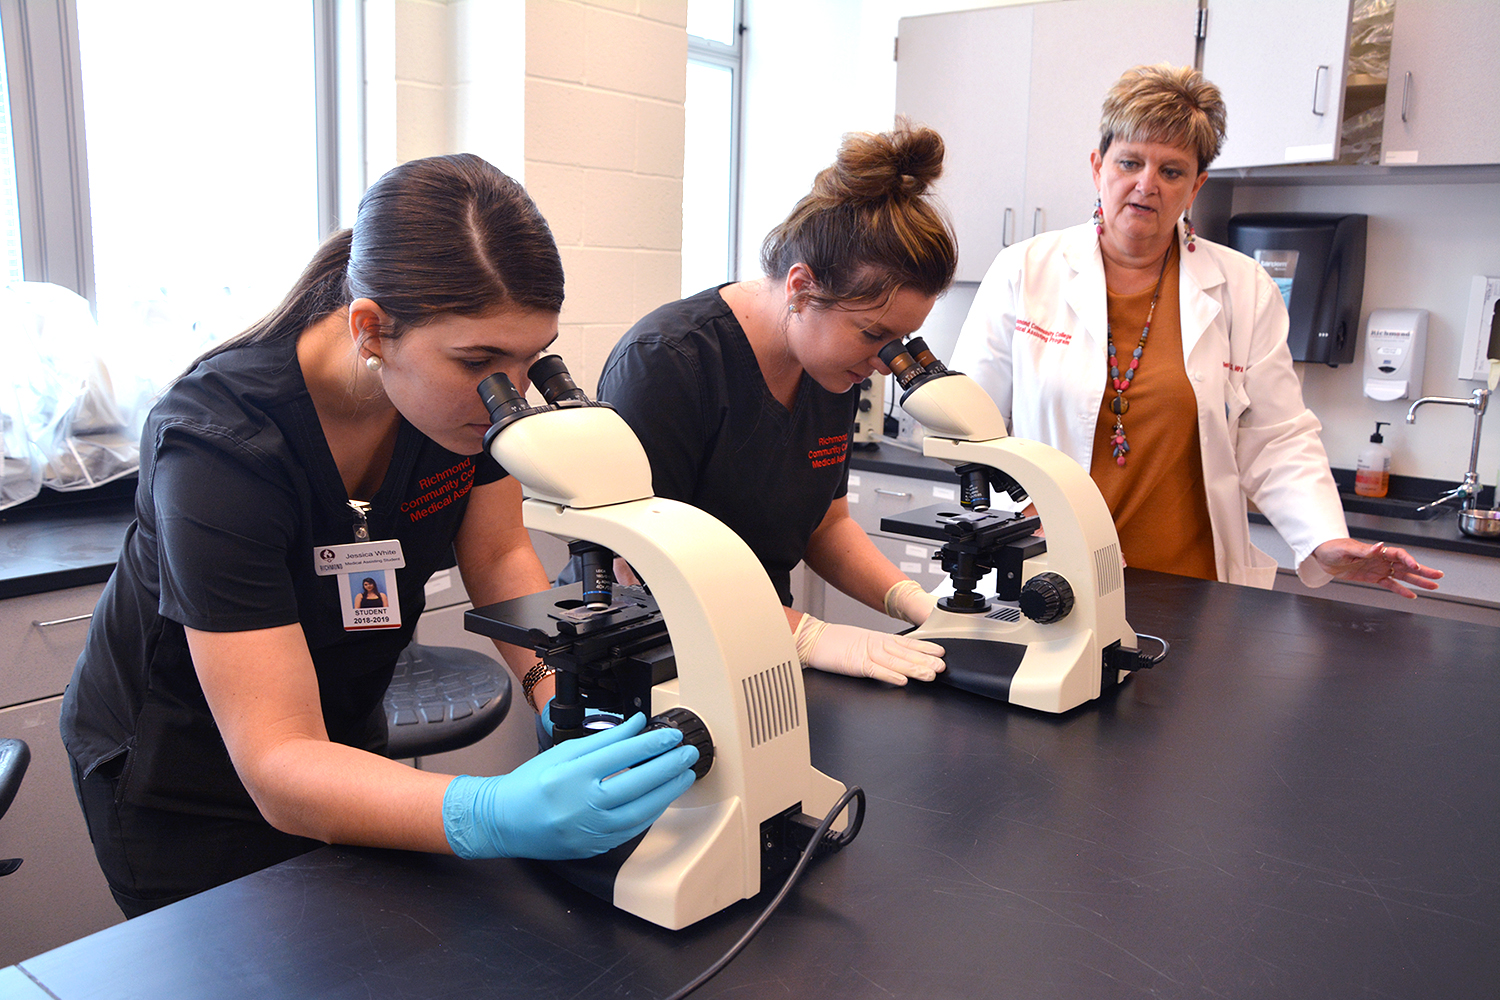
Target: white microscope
x: 728, y: 677
x: 1056, y: 637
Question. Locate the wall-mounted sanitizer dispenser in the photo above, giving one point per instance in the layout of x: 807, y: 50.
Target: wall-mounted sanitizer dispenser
x: 1318, y: 261
x: 1395, y: 346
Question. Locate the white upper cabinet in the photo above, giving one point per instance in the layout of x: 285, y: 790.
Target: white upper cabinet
x: 1068, y: 86
x: 967, y: 76
x: 1016, y: 92
x: 1443, y: 97
x: 1280, y: 66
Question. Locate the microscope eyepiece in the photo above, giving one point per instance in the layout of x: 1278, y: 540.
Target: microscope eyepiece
x: 917, y: 348
x: 500, y: 397
x: 550, y: 375
x: 902, y: 364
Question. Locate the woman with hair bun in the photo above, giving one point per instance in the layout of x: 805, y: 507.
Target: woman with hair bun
x: 743, y: 395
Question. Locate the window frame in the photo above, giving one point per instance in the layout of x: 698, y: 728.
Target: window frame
x: 732, y: 58
x: 44, y: 75
x: 46, y: 103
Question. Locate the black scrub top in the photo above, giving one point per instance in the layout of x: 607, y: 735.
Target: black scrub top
x: 686, y: 380
x: 237, y: 490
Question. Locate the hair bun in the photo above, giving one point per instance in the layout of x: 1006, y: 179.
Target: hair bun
x: 875, y: 166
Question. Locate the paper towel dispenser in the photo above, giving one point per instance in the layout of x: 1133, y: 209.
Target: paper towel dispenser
x: 1318, y: 261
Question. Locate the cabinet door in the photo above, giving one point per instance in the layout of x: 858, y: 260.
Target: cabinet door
x: 874, y: 495
x: 1443, y: 100
x: 966, y: 75
x: 41, y: 636
x: 1280, y: 66
x: 58, y: 894
x: 1068, y: 88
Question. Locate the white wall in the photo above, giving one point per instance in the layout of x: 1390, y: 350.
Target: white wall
x: 1426, y: 242
x: 582, y: 100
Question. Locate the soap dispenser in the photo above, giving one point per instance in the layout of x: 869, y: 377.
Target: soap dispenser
x: 1372, y: 473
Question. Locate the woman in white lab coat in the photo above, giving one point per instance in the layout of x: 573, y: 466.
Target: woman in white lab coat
x: 1158, y: 361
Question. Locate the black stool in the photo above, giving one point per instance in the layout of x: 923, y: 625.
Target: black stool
x: 443, y: 698
x: 15, y: 755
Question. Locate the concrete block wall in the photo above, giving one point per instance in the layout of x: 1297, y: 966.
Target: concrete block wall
x: 444, y: 76
x: 582, y: 100
x: 605, y: 85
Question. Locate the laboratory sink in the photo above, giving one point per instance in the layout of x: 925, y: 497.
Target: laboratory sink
x: 1407, y: 510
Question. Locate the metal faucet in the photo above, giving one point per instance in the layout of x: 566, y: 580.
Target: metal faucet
x: 1468, y: 490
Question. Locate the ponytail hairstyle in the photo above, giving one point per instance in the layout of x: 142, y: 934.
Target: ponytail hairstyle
x: 869, y: 225
x: 445, y: 234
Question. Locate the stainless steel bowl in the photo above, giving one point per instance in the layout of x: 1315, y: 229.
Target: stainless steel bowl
x: 1480, y: 523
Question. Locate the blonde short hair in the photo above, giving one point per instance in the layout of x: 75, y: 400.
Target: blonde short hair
x: 1174, y: 105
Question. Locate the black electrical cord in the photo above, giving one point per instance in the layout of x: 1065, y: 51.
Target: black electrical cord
x: 818, y: 839
x: 1166, y: 648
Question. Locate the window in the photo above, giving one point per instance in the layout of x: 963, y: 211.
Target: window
x: 710, y: 184
x: 202, y: 163
x: 174, y: 163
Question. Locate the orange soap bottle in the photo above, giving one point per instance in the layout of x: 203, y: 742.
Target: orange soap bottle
x: 1372, y: 472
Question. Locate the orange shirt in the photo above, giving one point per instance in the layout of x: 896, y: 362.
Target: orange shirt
x: 1157, y: 497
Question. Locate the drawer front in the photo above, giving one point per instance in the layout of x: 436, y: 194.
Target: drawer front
x: 878, y: 494
x: 41, y: 636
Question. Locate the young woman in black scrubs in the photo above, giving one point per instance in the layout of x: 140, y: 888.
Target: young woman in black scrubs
x: 744, y: 395
x: 226, y: 713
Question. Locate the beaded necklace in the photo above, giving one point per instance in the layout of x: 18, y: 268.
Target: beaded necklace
x: 1120, y: 406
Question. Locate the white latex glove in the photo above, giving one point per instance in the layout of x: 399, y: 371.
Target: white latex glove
x: 909, y: 602
x: 861, y: 652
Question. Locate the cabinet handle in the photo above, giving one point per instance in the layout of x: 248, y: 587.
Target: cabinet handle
x: 64, y: 621
x: 1005, y: 228
x: 1405, y: 93
x: 892, y: 493
x: 1036, y: 220
x: 1317, y: 77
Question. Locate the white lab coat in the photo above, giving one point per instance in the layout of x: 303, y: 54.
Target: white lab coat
x: 1257, y: 437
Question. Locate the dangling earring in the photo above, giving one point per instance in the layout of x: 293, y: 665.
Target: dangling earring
x: 1098, y: 219
x: 1188, y: 234
x: 374, y: 363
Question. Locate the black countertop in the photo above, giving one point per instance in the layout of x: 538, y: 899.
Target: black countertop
x: 61, y: 540
x: 1302, y: 800
x: 1440, y: 532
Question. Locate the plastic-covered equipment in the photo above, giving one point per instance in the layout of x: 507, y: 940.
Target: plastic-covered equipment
x: 59, y: 420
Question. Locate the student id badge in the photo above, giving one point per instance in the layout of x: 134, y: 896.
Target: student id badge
x: 367, y: 581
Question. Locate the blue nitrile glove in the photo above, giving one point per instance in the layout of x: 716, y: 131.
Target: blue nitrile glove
x: 573, y: 801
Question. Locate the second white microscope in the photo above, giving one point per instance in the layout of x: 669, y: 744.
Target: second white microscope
x: 1056, y: 636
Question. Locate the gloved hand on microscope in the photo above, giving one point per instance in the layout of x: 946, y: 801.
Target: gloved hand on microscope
x: 860, y: 652
x: 576, y: 800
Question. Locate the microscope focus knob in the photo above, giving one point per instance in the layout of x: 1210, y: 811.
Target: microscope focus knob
x: 694, y: 733
x: 1046, y: 598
